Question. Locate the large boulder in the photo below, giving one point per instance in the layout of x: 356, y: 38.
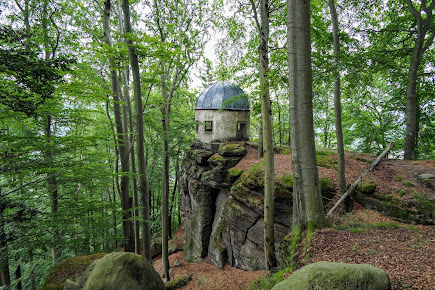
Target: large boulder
x: 329, y: 275
x: 120, y: 270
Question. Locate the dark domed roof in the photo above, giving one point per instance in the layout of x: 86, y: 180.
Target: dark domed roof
x: 222, y: 96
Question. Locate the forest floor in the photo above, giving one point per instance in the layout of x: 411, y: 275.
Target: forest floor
x: 406, y: 252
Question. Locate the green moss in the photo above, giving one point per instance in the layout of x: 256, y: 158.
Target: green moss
x: 423, y: 204
x: 215, y: 157
x: 408, y: 183
x: 326, y: 185
x: 69, y: 268
x: 178, y: 282
x: 229, y: 146
x: 197, y: 151
x: 284, y: 150
x: 284, y: 186
x: 386, y: 225
x: 401, y: 192
x: 398, y: 178
x: 235, y: 172
x: 269, y: 281
x: 367, y: 186
x: 325, y: 159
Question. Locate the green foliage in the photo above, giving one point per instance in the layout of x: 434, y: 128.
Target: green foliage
x: 27, y: 79
x: 270, y: 280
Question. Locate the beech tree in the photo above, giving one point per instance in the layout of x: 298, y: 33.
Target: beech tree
x: 143, y: 182
x: 425, y: 34
x: 337, y: 99
x: 266, y: 134
x: 307, y: 201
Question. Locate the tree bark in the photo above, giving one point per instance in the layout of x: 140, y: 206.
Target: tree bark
x: 420, y: 45
x: 18, y: 277
x: 143, y: 183
x: 127, y: 226
x: 128, y: 119
x: 307, y: 200
x: 165, y: 174
x: 266, y: 113
x: 5, y: 278
x: 337, y: 103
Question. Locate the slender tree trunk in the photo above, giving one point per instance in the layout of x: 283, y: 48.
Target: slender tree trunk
x: 337, y: 103
x: 128, y: 112
x: 127, y: 226
x: 5, y: 278
x: 307, y: 200
x: 18, y: 277
x: 266, y: 116
x: 51, y: 179
x: 260, y: 139
x: 143, y: 183
x: 422, y: 43
x: 174, y: 191
x: 165, y: 178
x: 32, y: 272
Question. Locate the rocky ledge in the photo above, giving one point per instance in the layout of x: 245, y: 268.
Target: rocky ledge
x: 222, y: 207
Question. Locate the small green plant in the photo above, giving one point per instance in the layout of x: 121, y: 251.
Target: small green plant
x: 401, y: 192
x: 201, y: 281
x: 398, y: 178
x: 423, y: 204
x: 408, y: 183
x: 268, y: 281
x: 386, y: 225
x: 324, y: 159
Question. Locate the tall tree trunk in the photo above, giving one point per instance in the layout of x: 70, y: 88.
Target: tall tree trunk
x: 337, y: 103
x: 143, y: 183
x: 32, y: 272
x: 307, y: 200
x: 51, y: 178
x: 127, y: 226
x: 422, y: 43
x: 18, y: 277
x: 260, y: 139
x: 266, y: 114
x: 165, y: 178
x: 128, y: 112
x: 5, y: 278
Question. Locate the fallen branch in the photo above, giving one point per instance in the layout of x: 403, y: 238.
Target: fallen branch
x: 359, y: 179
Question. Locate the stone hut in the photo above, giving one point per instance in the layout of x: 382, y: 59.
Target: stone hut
x: 222, y: 114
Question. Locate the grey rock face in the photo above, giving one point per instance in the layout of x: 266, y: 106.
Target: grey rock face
x: 227, y: 228
x: 426, y: 176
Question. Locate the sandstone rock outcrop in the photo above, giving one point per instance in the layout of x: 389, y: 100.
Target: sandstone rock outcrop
x: 223, y: 207
x: 329, y: 275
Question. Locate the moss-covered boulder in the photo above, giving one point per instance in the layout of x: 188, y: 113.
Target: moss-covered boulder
x: 232, y: 150
x: 71, y: 268
x: 119, y: 271
x: 329, y: 275
x: 367, y: 186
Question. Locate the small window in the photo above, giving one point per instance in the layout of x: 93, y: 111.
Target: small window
x: 196, y: 126
x: 241, y: 126
x: 208, y: 126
